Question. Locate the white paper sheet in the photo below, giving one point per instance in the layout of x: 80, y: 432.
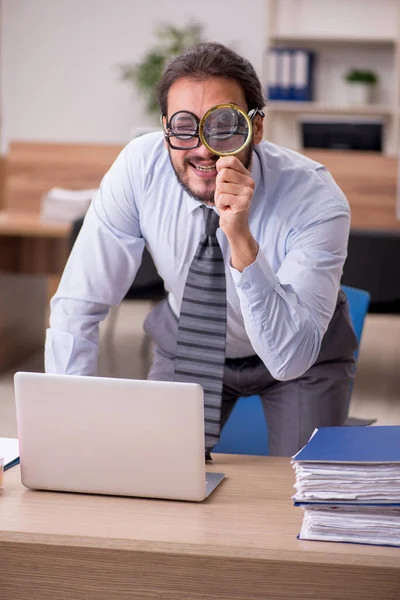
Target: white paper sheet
x: 9, y: 449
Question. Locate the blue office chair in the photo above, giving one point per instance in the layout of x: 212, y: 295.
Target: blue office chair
x: 246, y: 430
x: 358, y: 307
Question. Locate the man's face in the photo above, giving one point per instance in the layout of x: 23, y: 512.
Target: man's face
x: 195, y: 169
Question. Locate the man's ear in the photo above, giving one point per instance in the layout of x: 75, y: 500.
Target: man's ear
x: 163, y: 121
x: 258, y: 129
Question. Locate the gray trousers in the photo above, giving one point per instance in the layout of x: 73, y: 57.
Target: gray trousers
x: 292, y: 408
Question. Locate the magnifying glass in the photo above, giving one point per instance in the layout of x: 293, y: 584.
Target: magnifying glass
x: 225, y: 129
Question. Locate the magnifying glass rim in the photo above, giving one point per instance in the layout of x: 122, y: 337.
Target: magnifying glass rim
x: 242, y: 112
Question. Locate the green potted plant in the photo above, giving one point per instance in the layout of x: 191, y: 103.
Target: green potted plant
x: 145, y: 74
x: 360, y: 85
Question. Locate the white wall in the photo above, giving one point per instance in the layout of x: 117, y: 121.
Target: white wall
x: 58, y: 57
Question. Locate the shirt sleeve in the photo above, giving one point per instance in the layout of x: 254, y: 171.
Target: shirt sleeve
x: 101, y: 267
x: 287, y: 313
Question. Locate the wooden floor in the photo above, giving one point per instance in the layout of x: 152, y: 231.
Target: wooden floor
x: 376, y: 393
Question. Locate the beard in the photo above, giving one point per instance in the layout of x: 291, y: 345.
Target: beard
x: 207, y: 196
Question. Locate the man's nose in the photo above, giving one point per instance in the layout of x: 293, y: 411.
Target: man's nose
x: 205, y: 153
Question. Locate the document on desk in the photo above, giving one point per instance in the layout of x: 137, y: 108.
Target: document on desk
x: 348, y: 485
x: 349, y: 465
x: 9, y: 450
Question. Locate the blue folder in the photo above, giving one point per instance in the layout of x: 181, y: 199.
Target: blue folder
x: 365, y: 445
x: 378, y: 445
x: 303, y: 75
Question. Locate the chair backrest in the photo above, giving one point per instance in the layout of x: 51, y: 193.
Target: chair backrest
x: 246, y: 430
x: 358, y: 307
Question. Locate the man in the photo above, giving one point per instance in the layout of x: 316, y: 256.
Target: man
x: 254, y: 305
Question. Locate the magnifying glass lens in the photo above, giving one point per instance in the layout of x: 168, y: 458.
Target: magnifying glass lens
x: 225, y: 130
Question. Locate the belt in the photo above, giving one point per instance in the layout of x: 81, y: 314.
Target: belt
x: 244, y: 361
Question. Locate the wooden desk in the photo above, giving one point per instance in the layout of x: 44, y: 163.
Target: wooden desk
x: 240, y: 543
x: 32, y: 246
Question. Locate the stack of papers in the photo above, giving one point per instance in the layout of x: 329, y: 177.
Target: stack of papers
x: 59, y: 204
x: 359, y: 524
x: 348, y: 485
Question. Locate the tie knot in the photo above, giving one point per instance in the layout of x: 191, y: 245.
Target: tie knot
x: 211, y: 221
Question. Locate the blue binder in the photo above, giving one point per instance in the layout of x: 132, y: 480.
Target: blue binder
x: 290, y: 74
x: 303, y: 75
x: 286, y: 74
x: 273, y: 75
x: 348, y: 446
x: 361, y: 445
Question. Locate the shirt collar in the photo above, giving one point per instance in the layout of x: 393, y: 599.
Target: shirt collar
x: 256, y: 170
x: 191, y: 203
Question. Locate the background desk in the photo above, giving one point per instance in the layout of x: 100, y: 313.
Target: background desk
x: 240, y: 543
x: 32, y: 255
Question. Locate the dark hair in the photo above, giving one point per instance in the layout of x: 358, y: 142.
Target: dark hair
x: 206, y: 60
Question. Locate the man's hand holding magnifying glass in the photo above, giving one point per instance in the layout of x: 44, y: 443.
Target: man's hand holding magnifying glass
x: 233, y: 196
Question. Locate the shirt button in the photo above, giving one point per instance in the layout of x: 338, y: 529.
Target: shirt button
x: 247, y: 286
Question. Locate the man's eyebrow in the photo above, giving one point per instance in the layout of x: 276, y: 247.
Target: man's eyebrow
x: 227, y: 102
x: 185, y: 110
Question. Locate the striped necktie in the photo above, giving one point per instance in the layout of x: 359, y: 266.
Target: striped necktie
x: 200, y: 352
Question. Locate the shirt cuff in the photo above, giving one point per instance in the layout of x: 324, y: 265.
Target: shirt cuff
x: 257, y: 280
x: 69, y: 355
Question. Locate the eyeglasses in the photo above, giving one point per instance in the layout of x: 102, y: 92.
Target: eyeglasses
x: 224, y: 130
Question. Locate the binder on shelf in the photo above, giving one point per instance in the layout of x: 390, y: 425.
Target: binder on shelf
x: 290, y: 74
x: 286, y: 79
x: 303, y: 75
x: 273, y: 74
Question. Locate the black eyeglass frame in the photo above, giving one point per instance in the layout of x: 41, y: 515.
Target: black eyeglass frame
x: 168, y: 134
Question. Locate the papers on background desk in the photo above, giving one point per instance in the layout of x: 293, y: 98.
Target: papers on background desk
x: 348, y: 485
x: 9, y: 450
x: 59, y: 204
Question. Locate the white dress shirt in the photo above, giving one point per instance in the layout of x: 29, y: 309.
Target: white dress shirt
x: 279, y: 307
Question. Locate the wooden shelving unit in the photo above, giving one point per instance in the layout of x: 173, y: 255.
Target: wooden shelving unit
x: 331, y: 39
x: 276, y: 106
x: 343, y: 34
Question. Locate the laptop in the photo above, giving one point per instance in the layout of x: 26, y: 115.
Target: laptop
x: 122, y: 437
